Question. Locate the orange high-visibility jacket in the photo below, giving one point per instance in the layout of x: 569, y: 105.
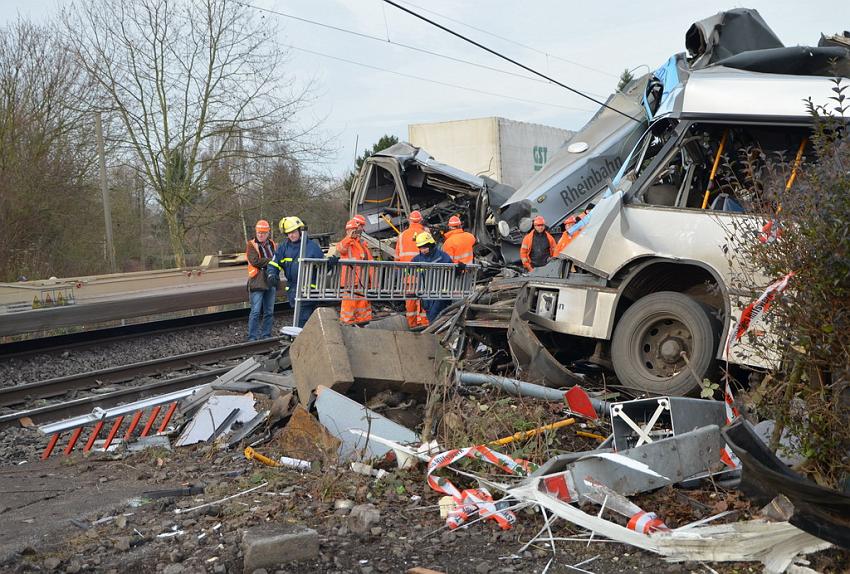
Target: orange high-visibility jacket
x: 256, y: 261
x: 458, y: 244
x: 405, y: 247
x: 351, y: 248
x: 525, y: 248
x: 565, y: 240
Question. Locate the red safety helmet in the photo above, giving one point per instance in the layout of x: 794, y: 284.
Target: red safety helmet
x: 454, y: 221
x: 262, y: 226
x: 352, y: 224
x: 570, y: 221
x: 539, y: 220
x: 415, y: 217
x: 361, y: 221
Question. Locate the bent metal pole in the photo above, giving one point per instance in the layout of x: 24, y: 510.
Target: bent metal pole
x: 300, y: 280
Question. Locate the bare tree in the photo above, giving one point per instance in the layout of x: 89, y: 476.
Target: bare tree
x: 46, y: 153
x: 185, y: 80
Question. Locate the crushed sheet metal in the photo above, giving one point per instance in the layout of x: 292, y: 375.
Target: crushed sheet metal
x: 210, y: 416
x: 530, y: 491
x: 775, y: 544
x: 533, y: 359
x: 818, y: 510
x: 339, y: 415
x: 635, y: 470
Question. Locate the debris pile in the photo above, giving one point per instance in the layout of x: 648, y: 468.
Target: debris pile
x: 561, y: 458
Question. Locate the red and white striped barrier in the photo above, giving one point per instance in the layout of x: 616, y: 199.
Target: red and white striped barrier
x: 475, y: 500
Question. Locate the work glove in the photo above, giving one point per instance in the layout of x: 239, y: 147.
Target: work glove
x: 333, y: 261
x: 273, y: 279
x: 460, y: 268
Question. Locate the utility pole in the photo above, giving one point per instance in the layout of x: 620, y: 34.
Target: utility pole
x: 140, y: 184
x: 104, y: 190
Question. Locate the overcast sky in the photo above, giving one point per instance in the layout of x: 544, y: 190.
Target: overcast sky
x: 583, y: 44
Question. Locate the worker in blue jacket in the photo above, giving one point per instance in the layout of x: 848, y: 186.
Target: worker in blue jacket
x: 430, y: 253
x: 285, y: 261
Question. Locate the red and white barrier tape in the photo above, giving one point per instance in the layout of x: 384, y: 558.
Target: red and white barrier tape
x: 472, y: 500
x: 726, y: 455
x: 646, y: 522
x: 755, y: 310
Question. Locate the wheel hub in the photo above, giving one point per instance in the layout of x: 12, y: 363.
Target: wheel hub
x: 661, y: 346
x: 671, y: 350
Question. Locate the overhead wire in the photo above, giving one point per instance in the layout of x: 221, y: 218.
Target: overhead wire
x: 511, y: 60
x: 387, y: 40
x: 431, y: 80
x: 511, y: 41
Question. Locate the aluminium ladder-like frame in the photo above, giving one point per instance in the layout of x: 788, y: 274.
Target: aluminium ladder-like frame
x: 382, y: 280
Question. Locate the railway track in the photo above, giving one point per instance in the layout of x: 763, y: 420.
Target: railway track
x: 52, y: 388
x: 94, y: 338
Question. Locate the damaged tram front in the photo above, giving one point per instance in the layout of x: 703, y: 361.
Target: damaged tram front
x: 404, y: 178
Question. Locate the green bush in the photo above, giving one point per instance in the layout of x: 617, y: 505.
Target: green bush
x: 810, y: 395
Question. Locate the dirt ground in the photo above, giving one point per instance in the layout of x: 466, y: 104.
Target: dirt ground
x: 88, y: 514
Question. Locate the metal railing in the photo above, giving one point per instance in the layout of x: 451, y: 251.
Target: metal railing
x: 382, y: 280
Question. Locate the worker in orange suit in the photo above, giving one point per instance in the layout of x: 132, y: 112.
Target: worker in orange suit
x: 538, y: 246
x: 356, y: 310
x: 566, y: 238
x: 457, y: 242
x: 405, y: 251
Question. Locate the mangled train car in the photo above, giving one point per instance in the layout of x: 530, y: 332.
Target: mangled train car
x: 646, y: 276
x: 403, y: 178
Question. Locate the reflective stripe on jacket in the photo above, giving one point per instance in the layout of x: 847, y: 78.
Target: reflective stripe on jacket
x: 405, y: 247
x: 286, y: 261
x: 458, y: 244
x: 435, y: 256
x: 525, y: 248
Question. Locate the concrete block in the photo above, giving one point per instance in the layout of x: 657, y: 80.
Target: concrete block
x: 319, y: 356
x: 373, y: 356
x: 338, y: 356
x: 418, y: 352
x: 392, y: 323
x: 268, y: 547
x: 395, y: 360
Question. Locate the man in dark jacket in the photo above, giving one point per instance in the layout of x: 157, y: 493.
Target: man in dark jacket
x: 538, y: 246
x: 430, y: 253
x: 286, y: 261
x: 259, y: 253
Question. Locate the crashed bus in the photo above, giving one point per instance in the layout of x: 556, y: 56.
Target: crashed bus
x: 586, y: 166
x: 646, y: 278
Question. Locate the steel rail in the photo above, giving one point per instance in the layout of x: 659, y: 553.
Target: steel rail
x: 93, y: 338
x: 92, y: 379
x: 49, y: 413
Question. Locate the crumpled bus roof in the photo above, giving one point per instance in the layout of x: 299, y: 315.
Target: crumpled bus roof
x: 722, y: 93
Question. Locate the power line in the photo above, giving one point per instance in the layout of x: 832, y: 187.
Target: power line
x: 431, y: 80
x: 495, y: 53
x: 509, y: 40
x: 394, y: 43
